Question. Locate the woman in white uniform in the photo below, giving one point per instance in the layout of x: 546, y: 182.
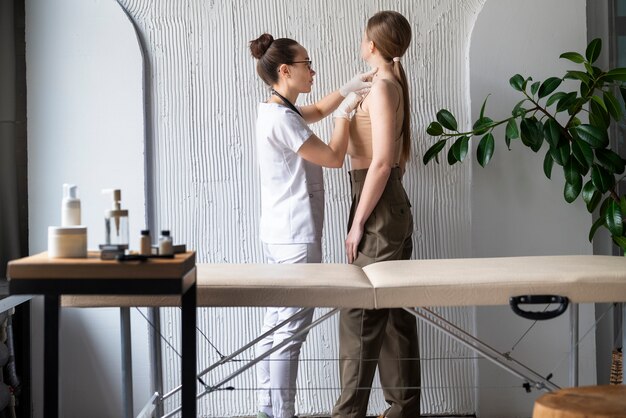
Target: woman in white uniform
x: 291, y: 158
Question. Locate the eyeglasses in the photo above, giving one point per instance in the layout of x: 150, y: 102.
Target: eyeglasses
x: 308, y: 63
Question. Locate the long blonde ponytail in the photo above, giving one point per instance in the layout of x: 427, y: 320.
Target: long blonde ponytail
x: 391, y: 33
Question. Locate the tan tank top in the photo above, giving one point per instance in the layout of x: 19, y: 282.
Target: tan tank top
x: 360, y: 144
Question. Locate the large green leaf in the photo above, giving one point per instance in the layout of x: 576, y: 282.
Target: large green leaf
x: 529, y: 79
x: 584, y: 90
x: 622, y: 91
x: 434, y: 151
x: 593, y: 204
x: 595, y: 137
x: 573, y: 56
x: 548, y: 163
x: 578, y: 75
x: 451, y: 158
x: 482, y: 125
x: 605, y: 204
x: 572, y: 190
x: 597, y: 224
x: 482, y: 108
x: 614, y: 219
x: 617, y: 74
x: 610, y: 160
x: 460, y: 148
x: 588, y: 190
x: 598, y: 115
x: 531, y: 133
x: 511, y: 129
x: 552, y: 132
x: 591, y: 196
x: 555, y: 97
x: 447, y: 120
x: 485, y: 149
x: 572, y: 172
x: 561, y: 153
x: 602, y: 179
x: 599, y: 101
x: 582, y: 152
x: 517, y: 82
x: 566, y: 101
x: 613, y: 106
x: 549, y: 86
x: 593, y: 50
x: 434, y: 129
x: 534, y: 88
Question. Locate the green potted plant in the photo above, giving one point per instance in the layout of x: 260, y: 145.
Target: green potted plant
x: 575, y: 126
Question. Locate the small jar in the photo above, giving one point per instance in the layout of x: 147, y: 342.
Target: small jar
x: 165, y: 243
x: 67, y: 242
x: 145, y: 243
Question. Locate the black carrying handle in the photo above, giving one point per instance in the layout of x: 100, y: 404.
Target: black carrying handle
x: 516, y: 301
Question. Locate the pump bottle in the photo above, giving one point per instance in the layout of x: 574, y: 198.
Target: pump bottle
x: 70, y: 206
x: 116, y: 221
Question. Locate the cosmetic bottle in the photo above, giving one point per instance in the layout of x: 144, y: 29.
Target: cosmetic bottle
x: 116, y: 221
x: 145, y: 243
x: 165, y: 243
x: 70, y: 206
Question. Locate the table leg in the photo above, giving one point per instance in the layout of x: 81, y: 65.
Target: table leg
x: 127, y: 363
x: 51, y: 356
x: 189, y: 390
x: 156, y: 359
x: 623, y: 309
x: 574, y: 320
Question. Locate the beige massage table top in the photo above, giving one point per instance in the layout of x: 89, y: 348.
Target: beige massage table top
x: 437, y: 282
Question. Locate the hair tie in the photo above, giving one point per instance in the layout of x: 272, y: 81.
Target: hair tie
x: 396, y: 59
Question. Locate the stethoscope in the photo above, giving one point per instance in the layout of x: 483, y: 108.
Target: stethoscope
x: 287, y: 102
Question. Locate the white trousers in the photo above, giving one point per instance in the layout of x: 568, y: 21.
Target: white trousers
x: 277, y: 374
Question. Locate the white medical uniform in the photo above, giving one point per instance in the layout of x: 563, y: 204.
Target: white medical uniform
x: 292, y: 214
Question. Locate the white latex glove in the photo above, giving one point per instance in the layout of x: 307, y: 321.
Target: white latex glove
x: 347, y: 106
x: 359, y: 84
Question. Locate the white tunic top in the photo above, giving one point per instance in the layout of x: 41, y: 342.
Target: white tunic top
x: 292, y: 189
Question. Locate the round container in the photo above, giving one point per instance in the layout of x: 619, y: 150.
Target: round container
x: 165, y: 243
x: 67, y: 241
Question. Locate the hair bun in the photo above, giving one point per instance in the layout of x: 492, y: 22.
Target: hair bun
x: 259, y: 46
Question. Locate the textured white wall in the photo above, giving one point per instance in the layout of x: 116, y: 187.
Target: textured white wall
x: 204, y: 95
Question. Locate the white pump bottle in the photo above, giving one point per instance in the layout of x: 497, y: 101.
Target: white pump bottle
x: 70, y: 206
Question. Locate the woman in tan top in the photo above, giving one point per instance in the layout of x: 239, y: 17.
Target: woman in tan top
x: 380, y: 229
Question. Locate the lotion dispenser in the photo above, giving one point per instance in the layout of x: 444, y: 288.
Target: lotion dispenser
x: 70, y: 206
x: 116, y: 221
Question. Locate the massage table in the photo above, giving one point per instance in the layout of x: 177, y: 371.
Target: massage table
x: 413, y: 285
